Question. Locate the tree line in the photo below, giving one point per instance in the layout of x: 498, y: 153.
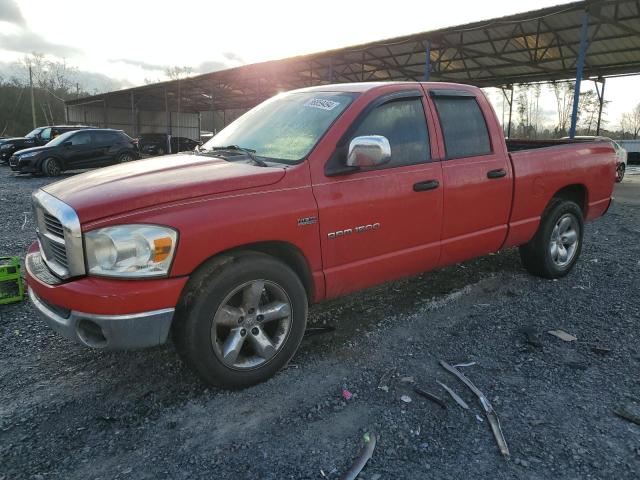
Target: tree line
x: 530, y: 121
x: 53, y: 81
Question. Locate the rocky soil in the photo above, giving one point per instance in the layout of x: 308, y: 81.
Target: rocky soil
x: 73, y: 413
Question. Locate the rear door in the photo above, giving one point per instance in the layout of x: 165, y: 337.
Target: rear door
x: 106, y: 144
x: 476, y: 173
x: 381, y: 223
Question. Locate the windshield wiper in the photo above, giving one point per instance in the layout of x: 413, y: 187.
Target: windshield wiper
x: 235, y: 148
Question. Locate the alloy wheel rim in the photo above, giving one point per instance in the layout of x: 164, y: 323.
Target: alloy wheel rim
x: 251, y: 324
x: 125, y: 158
x: 53, y: 168
x: 564, y: 240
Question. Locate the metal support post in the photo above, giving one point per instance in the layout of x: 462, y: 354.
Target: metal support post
x: 584, y: 31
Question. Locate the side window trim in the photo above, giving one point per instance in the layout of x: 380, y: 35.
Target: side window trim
x: 450, y: 93
x: 333, y: 167
x: 378, y: 102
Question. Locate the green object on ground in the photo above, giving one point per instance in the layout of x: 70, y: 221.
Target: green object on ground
x: 11, y: 285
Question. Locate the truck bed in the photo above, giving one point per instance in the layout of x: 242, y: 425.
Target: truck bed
x: 518, y: 144
x: 548, y: 166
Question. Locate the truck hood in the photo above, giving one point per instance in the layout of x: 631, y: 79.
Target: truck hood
x: 143, y: 183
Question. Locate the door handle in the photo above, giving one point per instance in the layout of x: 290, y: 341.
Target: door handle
x: 426, y: 185
x: 499, y: 173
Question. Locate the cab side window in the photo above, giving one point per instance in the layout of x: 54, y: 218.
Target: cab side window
x: 81, y: 138
x: 46, y: 134
x: 404, y: 124
x: 463, y: 127
x: 106, y: 138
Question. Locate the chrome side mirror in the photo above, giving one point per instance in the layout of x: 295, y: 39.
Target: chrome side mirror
x: 369, y: 151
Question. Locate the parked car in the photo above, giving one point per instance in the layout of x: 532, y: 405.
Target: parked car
x: 87, y: 148
x: 621, y: 153
x: 313, y: 194
x: 156, y: 144
x: 39, y: 136
x: 633, y: 149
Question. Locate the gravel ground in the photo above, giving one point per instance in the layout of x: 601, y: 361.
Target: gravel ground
x: 73, y: 413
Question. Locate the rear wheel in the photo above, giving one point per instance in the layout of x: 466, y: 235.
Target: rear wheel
x: 242, y: 321
x: 620, y: 172
x: 125, y: 157
x: 557, y: 244
x: 160, y: 151
x: 51, y: 167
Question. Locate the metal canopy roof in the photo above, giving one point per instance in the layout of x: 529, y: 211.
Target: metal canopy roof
x: 541, y: 45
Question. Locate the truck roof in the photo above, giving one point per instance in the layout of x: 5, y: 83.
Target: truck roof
x: 360, y: 87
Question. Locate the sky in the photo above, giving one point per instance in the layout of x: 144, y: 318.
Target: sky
x: 130, y: 41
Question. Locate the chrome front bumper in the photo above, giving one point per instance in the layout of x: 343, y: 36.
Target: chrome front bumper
x: 137, y: 330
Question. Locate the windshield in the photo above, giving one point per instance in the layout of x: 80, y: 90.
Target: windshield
x: 34, y: 133
x: 60, y: 139
x: 285, y: 127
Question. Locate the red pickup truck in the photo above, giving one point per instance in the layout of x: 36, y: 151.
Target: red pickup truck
x: 312, y: 194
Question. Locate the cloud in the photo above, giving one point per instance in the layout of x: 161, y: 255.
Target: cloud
x: 25, y: 41
x: 234, y: 57
x: 10, y: 13
x: 211, y: 66
x: 141, y: 64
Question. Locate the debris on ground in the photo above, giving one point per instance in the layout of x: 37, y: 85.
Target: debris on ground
x: 430, y: 396
x: 407, y: 380
x: 468, y: 364
x: 312, y: 331
x: 455, y: 396
x: 562, y: 335
x: 627, y: 415
x: 486, y: 405
x: 600, y: 350
x: 346, y: 394
x: 363, y: 457
x: 405, y: 398
x: 384, y: 380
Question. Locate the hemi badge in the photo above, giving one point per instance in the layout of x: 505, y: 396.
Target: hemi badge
x: 307, y: 221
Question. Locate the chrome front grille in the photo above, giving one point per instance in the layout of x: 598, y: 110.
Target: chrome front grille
x: 59, y: 234
x: 53, y: 225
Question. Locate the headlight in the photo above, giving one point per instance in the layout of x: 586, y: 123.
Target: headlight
x: 28, y: 155
x: 130, y: 250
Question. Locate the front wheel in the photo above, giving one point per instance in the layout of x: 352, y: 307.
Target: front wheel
x: 557, y: 244
x: 51, y: 167
x: 620, y: 172
x: 240, y: 320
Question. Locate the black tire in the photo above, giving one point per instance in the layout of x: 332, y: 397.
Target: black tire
x: 125, y: 157
x: 160, y: 151
x: 620, y: 172
x: 536, y: 255
x: 51, y: 167
x: 205, y: 292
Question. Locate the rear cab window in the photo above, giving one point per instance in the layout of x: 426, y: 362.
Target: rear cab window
x: 463, y: 125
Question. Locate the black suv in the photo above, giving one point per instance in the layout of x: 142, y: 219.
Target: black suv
x: 156, y: 144
x: 86, y: 148
x: 39, y: 136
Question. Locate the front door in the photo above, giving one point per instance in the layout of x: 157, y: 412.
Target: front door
x: 82, y: 152
x: 384, y: 222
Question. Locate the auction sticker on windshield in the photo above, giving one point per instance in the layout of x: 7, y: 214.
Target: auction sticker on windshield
x: 321, y: 103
